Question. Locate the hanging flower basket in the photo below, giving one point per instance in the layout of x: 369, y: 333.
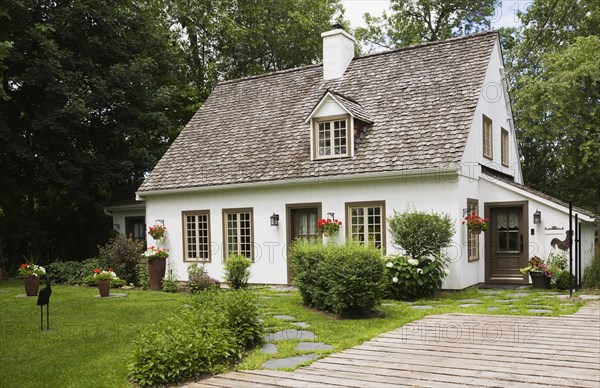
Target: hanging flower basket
x: 476, y: 231
x: 328, y: 226
x: 157, y: 231
x: 475, y: 224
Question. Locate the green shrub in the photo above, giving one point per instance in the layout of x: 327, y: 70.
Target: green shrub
x: 65, y: 272
x: 237, y: 271
x: 214, y: 332
x: 421, y: 234
x: 409, y: 278
x: 142, y: 275
x: 122, y: 254
x: 591, y: 275
x: 563, y: 280
x: 198, y: 279
x: 304, y: 257
x: 169, y: 282
x: 346, y: 279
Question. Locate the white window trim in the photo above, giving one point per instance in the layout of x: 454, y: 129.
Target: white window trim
x: 504, y: 148
x: 491, y: 137
x: 366, y: 205
x: 315, y: 137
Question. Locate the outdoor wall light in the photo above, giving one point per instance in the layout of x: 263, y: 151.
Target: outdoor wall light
x: 274, y: 219
x: 162, y: 222
x: 537, y: 217
x: 331, y: 216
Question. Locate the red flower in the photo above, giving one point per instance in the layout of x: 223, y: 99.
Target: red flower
x: 97, y: 270
x: 24, y: 265
x: 110, y: 270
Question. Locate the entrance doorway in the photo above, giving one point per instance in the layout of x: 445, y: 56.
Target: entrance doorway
x: 506, y: 242
x: 301, y: 223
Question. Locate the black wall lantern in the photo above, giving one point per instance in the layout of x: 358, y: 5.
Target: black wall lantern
x: 275, y: 219
x: 537, y: 217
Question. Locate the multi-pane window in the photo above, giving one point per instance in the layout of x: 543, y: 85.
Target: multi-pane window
x: 507, y: 227
x: 504, y: 146
x: 332, y: 138
x: 472, y: 239
x: 366, y: 223
x: 487, y: 138
x: 238, y: 232
x: 196, y: 232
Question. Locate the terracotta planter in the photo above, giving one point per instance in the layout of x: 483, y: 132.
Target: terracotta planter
x: 476, y: 231
x: 156, y: 269
x: 32, y: 285
x: 104, y: 288
x: 539, y: 280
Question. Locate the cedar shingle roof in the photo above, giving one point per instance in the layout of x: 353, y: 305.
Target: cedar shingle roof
x: 421, y: 100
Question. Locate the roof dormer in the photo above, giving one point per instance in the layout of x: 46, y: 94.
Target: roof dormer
x: 333, y: 125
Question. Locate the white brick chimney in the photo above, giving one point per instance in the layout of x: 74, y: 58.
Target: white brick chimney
x: 338, y: 51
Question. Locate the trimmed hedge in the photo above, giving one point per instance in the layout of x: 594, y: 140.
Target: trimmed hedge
x: 205, y: 338
x: 344, y: 279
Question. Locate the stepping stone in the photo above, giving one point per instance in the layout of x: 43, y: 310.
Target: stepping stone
x: 290, y: 334
x: 489, y: 296
x: 563, y: 296
x: 269, y: 349
x: 514, y: 310
x: 284, y: 317
x: 540, y: 311
x: 505, y: 301
x: 388, y: 304
x: 493, y: 308
x: 470, y: 301
x: 303, y: 325
x: 524, y: 287
x: 313, y: 346
x: 266, y: 297
x: 25, y: 296
x: 467, y: 305
x: 289, y: 362
x: 112, y: 295
x: 420, y: 307
x: 488, y: 291
x: 590, y: 297
x: 567, y: 304
x: 517, y: 295
x: 548, y: 293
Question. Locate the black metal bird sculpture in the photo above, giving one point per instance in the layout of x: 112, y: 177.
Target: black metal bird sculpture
x: 44, y: 299
x: 562, y: 245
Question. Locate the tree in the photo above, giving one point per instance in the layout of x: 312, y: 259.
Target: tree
x: 96, y: 92
x: 555, y: 73
x: 415, y: 21
x: 228, y: 39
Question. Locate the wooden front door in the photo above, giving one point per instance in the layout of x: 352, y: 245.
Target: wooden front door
x: 302, y: 223
x: 506, y: 243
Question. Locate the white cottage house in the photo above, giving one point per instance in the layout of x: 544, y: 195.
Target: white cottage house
x: 428, y: 126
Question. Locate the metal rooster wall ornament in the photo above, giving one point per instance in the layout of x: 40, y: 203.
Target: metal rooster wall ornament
x: 562, y: 245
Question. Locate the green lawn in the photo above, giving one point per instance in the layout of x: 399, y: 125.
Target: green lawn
x: 89, y: 341
x: 90, y: 338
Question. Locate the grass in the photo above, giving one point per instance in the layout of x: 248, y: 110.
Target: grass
x: 90, y: 338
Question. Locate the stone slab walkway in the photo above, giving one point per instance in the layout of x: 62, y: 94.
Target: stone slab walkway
x: 454, y: 350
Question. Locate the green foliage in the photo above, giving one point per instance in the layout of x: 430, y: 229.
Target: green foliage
x: 410, y: 279
x: 203, y: 339
x: 591, y: 275
x: 556, y: 77
x: 346, y: 279
x: 237, y: 271
x: 122, y: 254
x: 414, y: 21
x: 142, y: 275
x: 421, y: 234
x: 65, y: 272
x: 169, y: 282
x: 563, y: 280
x: 198, y: 279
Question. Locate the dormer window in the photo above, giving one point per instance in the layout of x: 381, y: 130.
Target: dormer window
x: 334, y: 122
x: 332, y: 138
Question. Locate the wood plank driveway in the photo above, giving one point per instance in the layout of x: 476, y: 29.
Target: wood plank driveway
x: 455, y: 350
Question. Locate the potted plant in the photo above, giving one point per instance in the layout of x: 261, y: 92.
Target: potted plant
x: 329, y: 226
x: 539, y: 272
x: 31, y: 277
x: 475, y: 224
x: 157, y: 231
x: 103, y: 279
x: 157, y: 265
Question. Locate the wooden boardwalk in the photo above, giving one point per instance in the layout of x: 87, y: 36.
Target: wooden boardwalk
x: 455, y: 350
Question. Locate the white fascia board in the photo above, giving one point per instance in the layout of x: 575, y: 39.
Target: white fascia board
x: 140, y: 206
x: 316, y: 179
x: 547, y: 202
x: 328, y: 94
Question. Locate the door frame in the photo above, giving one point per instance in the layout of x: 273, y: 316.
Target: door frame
x: 488, y: 206
x: 288, y: 227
